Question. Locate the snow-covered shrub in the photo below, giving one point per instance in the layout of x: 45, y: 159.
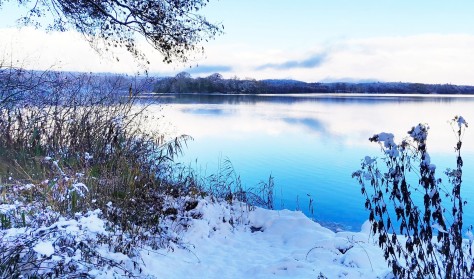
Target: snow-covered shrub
x: 38, y: 242
x: 420, y: 233
x: 68, y: 248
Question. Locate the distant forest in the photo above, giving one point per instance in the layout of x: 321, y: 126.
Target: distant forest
x: 215, y: 83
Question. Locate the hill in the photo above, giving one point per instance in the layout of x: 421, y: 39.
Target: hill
x: 184, y: 83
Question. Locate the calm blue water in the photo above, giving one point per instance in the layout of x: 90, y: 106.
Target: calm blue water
x: 312, y: 143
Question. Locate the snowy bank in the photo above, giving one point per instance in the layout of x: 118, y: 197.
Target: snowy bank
x: 235, y: 242
x: 212, y: 240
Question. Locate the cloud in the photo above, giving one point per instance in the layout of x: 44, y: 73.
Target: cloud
x: 209, y: 69
x: 311, y: 62
x: 426, y: 58
x: 429, y: 58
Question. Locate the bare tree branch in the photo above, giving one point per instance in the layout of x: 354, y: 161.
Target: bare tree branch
x: 173, y: 27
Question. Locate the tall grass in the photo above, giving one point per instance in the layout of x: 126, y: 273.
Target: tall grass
x: 79, y: 138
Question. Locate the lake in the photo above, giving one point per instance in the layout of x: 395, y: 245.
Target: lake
x: 312, y: 143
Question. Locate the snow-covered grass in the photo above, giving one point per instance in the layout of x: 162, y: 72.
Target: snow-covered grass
x: 220, y: 240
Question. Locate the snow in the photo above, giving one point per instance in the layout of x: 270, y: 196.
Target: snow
x: 470, y: 236
x: 92, y: 223
x: 387, y: 139
x: 439, y: 228
x: 265, y: 244
x: 88, y: 156
x: 420, y: 132
x: 77, y: 188
x: 461, y: 121
x: 388, y: 142
x: 368, y: 160
x: 4, y: 208
x: 44, y: 248
x: 225, y: 241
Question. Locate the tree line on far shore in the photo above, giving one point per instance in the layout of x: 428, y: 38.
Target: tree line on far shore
x: 215, y: 83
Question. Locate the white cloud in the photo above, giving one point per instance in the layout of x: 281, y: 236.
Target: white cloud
x: 423, y: 58
x: 428, y: 58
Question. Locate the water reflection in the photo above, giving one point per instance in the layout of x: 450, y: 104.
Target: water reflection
x: 312, y: 143
x: 312, y: 124
x: 206, y: 111
x: 351, y: 123
x: 217, y: 98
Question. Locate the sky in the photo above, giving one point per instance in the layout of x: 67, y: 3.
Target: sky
x: 309, y: 40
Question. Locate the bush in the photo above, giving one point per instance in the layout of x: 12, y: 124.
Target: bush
x: 420, y: 235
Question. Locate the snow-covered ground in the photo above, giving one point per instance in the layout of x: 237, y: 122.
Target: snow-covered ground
x: 266, y: 244
x: 222, y: 240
